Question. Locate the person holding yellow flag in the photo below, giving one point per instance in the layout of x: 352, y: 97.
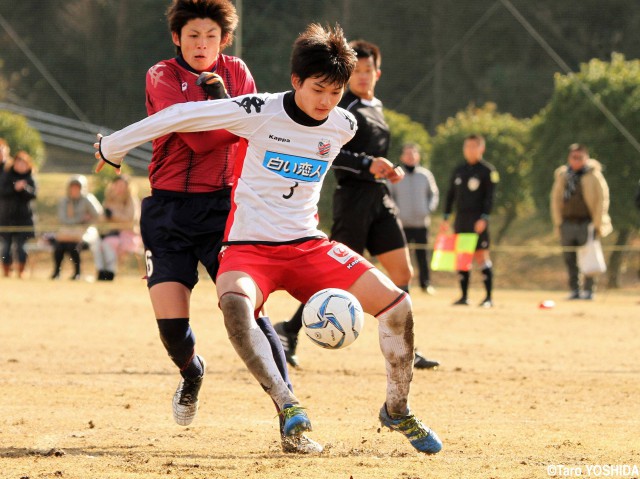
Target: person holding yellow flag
x: 471, y: 192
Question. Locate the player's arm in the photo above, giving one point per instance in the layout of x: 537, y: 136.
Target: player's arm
x: 180, y: 118
x: 162, y: 94
x: 362, y: 164
x: 488, y: 186
x: 448, y: 205
x: 433, y: 194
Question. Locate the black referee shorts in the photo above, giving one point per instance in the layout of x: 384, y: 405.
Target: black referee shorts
x: 178, y: 230
x: 365, y: 217
x: 464, y: 224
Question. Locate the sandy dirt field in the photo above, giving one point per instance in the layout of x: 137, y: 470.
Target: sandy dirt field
x: 87, y: 387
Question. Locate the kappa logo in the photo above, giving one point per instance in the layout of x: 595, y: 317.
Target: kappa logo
x: 156, y: 74
x: 324, y: 148
x: 340, y: 254
x: 184, y: 86
x: 250, y: 102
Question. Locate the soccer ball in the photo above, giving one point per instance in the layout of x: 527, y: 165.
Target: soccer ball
x: 332, y: 318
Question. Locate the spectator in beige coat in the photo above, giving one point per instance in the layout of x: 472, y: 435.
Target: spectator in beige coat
x: 579, y: 198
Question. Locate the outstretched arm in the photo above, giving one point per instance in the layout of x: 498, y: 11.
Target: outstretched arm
x: 227, y: 114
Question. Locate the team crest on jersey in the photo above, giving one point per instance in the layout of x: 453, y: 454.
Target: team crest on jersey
x: 340, y: 254
x: 473, y: 184
x: 324, y: 148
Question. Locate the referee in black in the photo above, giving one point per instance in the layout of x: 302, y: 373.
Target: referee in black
x: 471, y: 192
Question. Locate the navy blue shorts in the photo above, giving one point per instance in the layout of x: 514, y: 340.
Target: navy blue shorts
x: 180, y: 230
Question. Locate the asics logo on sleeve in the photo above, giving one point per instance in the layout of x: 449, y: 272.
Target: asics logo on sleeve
x: 295, y: 167
x: 250, y: 102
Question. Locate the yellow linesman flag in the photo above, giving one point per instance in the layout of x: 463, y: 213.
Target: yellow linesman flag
x: 454, y: 252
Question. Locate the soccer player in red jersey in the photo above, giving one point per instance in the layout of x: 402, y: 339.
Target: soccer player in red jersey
x: 191, y: 175
x: 272, y: 240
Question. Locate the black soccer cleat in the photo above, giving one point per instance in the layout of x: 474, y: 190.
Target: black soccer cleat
x: 420, y: 362
x: 462, y: 302
x: 486, y: 303
x: 289, y: 343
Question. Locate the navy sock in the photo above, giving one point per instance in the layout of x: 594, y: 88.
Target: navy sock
x: 404, y: 288
x: 276, y: 349
x: 464, y: 282
x: 488, y: 280
x: 180, y: 342
x: 294, y: 325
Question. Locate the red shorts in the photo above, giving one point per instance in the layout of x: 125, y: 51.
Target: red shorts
x: 301, y: 269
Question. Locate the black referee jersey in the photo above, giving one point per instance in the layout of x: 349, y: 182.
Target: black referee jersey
x: 471, y: 190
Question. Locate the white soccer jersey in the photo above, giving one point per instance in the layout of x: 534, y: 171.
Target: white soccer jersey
x: 275, y: 197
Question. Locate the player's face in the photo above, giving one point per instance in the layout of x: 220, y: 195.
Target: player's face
x: 316, y: 97
x: 473, y: 150
x: 364, y: 78
x: 200, y: 41
x: 410, y: 157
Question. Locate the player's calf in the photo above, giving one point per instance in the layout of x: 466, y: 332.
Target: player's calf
x: 253, y: 348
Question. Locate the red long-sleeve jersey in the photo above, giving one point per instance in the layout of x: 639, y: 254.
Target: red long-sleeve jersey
x: 193, y: 162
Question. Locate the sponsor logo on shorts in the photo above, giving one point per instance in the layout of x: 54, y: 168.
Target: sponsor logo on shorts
x: 340, y: 254
x: 295, y: 167
x: 354, y: 262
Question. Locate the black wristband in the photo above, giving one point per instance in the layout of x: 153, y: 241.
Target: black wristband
x: 117, y: 167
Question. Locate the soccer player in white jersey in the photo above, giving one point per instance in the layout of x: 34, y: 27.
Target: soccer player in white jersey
x: 272, y: 241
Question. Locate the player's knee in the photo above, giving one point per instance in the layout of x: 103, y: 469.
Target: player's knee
x: 398, y: 316
x: 402, y: 276
x: 176, y: 336
x: 237, y: 311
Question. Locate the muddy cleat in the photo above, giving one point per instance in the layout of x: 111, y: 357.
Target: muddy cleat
x: 419, y: 435
x: 294, y: 420
x: 289, y: 344
x: 420, y: 362
x: 300, y: 445
x: 462, y: 302
x: 185, y: 400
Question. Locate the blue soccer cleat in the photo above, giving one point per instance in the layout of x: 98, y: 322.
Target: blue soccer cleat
x: 295, y: 420
x: 419, y: 435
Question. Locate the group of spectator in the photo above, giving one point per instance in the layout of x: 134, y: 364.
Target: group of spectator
x: 108, y: 229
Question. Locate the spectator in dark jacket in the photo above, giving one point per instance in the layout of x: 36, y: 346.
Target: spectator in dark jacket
x: 17, y: 189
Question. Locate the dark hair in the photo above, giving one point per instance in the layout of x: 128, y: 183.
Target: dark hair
x: 324, y: 53
x: 578, y: 147
x: 476, y: 137
x: 365, y: 49
x: 223, y: 12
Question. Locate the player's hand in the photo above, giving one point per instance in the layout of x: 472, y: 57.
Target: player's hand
x: 99, y: 157
x: 212, y: 85
x: 20, y: 185
x: 383, y: 168
x: 480, y: 226
x: 444, y: 227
